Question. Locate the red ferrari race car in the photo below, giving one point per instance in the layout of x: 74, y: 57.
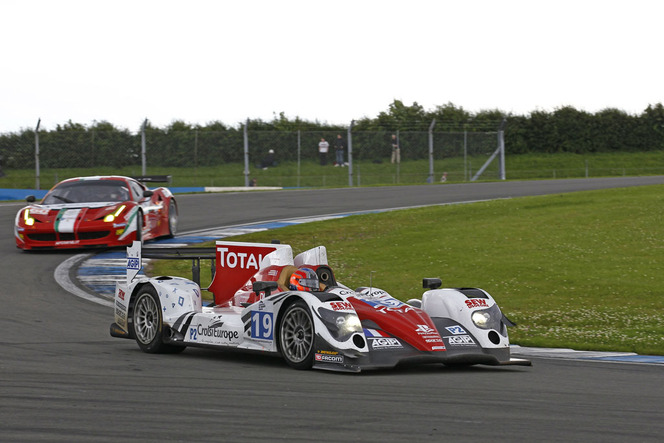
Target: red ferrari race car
x: 267, y: 301
x: 96, y: 211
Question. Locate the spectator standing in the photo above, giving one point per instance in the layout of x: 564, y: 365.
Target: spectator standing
x: 339, y: 148
x: 268, y: 160
x: 323, y: 147
x: 396, y: 152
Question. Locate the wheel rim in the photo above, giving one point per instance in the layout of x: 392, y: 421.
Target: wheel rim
x: 146, y: 319
x: 296, y: 335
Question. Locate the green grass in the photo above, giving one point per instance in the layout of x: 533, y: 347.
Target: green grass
x: 367, y: 173
x: 580, y: 270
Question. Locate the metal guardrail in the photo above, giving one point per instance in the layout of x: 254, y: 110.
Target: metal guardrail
x: 193, y: 254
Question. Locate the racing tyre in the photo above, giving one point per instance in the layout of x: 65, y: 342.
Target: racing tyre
x: 296, y: 336
x: 139, y: 227
x: 172, y: 219
x: 148, y: 325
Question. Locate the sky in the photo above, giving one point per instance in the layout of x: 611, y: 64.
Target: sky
x: 200, y: 61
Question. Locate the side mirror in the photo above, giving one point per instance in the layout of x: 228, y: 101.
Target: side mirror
x: 431, y: 283
x: 264, y: 286
x: 147, y: 193
x: 30, y: 199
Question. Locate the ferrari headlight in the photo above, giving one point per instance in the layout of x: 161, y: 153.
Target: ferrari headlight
x: 340, y: 324
x: 29, y: 221
x: 110, y: 218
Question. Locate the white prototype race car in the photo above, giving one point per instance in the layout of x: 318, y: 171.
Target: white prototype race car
x: 267, y: 301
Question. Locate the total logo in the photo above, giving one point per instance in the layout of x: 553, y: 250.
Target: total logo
x: 243, y: 260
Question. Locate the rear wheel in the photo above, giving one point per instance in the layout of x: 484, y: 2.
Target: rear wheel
x: 147, y: 323
x: 296, y: 336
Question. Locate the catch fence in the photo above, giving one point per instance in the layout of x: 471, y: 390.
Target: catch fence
x: 235, y: 157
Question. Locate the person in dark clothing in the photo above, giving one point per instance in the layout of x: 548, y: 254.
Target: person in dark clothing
x: 339, y: 148
x: 268, y: 161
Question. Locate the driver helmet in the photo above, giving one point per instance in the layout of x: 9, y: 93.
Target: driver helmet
x: 304, y: 279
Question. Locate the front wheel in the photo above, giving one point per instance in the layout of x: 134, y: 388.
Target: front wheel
x: 296, y: 336
x: 147, y: 323
x: 172, y: 219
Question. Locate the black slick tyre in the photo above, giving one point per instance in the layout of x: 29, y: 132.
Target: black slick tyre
x: 296, y: 336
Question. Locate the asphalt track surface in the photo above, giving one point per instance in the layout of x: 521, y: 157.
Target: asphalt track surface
x: 63, y: 378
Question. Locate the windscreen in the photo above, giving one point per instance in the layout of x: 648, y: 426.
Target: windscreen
x: 86, y: 191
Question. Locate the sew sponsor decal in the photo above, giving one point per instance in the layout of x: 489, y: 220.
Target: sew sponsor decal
x: 121, y: 294
x: 341, y: 306
x: 477, y: 303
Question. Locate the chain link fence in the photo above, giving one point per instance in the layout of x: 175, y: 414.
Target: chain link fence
x: 39, y: 159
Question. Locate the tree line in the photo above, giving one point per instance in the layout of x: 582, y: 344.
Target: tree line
x: 563, y: 130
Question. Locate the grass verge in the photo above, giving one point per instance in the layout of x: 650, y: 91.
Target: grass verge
x: 580, y: 270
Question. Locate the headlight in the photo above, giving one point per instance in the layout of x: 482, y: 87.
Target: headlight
x: 340, y: 324
x: 111, y: 217
x: 29, y: 221
x: 487, y: 318
x: 481, y: 318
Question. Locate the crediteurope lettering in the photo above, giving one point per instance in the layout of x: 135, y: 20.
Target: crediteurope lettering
x: 202, y: 331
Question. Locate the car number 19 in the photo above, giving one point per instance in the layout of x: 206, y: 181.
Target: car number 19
x: 261, y: 325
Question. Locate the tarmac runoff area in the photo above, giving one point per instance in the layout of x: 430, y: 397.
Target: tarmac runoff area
x: 97, y: 273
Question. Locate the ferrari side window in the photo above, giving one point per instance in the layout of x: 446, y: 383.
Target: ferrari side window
x: 137, y: 191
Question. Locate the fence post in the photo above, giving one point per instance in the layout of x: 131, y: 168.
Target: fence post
x: 350, y: 153
x: 299, y: 151
x: 398, y: 159
x: 501, y: 146
x: 246, y: 154
x: 145, y: 122
x: 37, y: 154
x: 196, y: 157
x: 431, y: 172
x: 465, y: 154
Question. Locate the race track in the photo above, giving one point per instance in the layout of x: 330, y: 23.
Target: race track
x: 63, y: 378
